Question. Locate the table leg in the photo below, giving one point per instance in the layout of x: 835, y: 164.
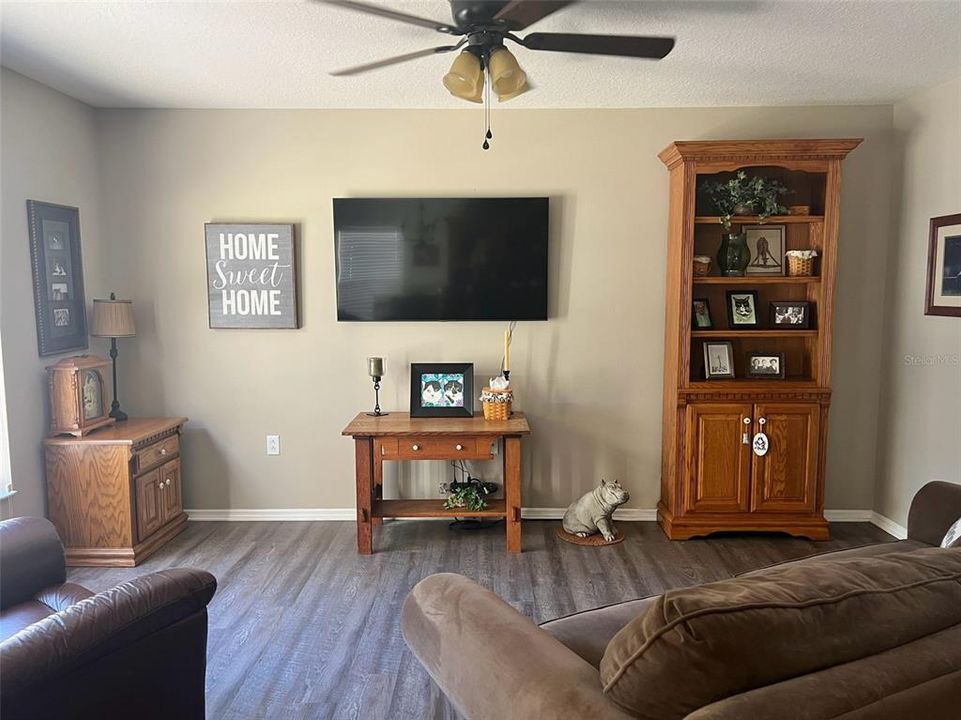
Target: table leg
x: 378, y: 488
x: 363, y: 465
x: 512, y: 492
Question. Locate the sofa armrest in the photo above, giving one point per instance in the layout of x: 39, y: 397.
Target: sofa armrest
x: 934, y: 508
x: 100, y: 625
x: 493, y: 662
x: 31, y: 556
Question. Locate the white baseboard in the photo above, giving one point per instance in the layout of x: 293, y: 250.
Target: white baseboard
x: 530, y: 513
x: 889, y: 526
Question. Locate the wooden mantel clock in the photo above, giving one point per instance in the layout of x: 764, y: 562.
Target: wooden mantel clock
x: 79, y: 395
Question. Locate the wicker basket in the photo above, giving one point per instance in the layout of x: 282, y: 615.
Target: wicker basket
x: 702, y: 266
x: 800, y: 267
x: 499, y: 406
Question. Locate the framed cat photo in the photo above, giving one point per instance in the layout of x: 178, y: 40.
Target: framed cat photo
x: 441, y: 390
x: 943, y: 292
x: 742, y: 310
x: 701, y: 315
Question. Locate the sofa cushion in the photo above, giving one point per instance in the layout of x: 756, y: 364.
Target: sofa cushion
x: 17, y: 617
x: 699, y: 645
x: 861, y: 551
x: 587, y: 633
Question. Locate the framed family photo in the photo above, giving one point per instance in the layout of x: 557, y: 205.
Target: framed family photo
x: 701, y: 315
x: 766, y: 243
x: 55, y: 257
x: 742, y: 309
x: 769, y: 365
x: 718, y: 360
x: 442, y: 390
x: 943, y: 295
x: 791, y: 314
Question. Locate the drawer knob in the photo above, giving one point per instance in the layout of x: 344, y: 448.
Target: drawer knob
x: 459, y: 447
x: 168, y: 481
x: 163, y: 451
x: 415, y: 447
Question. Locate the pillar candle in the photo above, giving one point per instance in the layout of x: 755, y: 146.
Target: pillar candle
x: 507, y: 350
x: 375, y: 366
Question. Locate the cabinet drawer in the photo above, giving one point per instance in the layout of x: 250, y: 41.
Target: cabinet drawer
x: 435, y: 448
x: 157, y: 453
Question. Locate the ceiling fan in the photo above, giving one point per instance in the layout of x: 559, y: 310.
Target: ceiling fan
x: 483, y: 26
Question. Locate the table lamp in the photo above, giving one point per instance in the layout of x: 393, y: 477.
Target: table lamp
x: 113, y: 319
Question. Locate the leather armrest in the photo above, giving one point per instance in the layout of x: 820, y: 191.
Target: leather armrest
x: 31, y: 556
x: 934, y: 508
x: 60, y: 597
x: 100, y: 625
x: 491, y: 661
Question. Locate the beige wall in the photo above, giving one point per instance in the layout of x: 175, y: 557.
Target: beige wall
x: 920, y: 438
x: 590, y: 378
x: 49, y: 153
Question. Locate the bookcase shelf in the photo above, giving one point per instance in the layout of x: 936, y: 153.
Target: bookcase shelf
x: 755, y: 220
x: 759, y: 333
x: 756, y: 280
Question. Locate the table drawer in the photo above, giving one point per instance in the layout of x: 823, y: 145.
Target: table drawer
x: 435, y: 448
x: 157, y: 453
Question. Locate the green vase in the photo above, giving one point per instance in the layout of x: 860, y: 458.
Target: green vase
x: 734, y: 255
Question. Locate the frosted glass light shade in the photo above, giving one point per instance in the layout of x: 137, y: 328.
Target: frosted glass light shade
x: 507, y: 79
x: 466, y: 77
x: 113, y: 319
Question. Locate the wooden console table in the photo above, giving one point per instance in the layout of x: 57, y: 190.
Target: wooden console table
x: 397, y: 436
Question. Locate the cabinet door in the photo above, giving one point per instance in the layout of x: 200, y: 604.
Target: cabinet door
x: 172, y: 494
x: 718, y: 460
x: 785, y: 479
x: 149, y: 508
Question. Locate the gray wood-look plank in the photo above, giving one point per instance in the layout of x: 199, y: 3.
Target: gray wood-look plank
x: 304, y: 627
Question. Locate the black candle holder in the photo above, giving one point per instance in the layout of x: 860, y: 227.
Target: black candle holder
x: 377, y: 412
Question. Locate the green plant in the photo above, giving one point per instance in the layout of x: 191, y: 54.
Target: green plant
x: 469, y: 494
x: 757, y: 195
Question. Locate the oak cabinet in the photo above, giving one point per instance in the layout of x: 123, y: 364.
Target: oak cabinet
x: 116, y: 494
x: 713, y: 476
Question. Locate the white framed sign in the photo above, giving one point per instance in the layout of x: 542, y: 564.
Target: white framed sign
x: 251, y: 276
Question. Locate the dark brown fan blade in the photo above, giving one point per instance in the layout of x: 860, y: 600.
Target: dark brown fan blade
x: 357, y: 69
x: 519, y: 14
x: 394, y: 15
x: 653, y: 48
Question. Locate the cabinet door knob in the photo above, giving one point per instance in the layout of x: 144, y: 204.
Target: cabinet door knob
x: 161, y: 484
x: 746, y: 421
x: 163, y: 451
x: 762, y: 421
x: 415, y: 447
x: 459, y: 447
x: 168, y: 481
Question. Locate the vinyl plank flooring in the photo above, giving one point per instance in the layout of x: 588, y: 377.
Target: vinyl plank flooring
x: 303, y: 628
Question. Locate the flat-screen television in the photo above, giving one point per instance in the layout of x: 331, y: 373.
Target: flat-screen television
x: 441, y: 258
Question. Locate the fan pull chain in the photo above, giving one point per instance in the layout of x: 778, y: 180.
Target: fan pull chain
x: 487, y: 110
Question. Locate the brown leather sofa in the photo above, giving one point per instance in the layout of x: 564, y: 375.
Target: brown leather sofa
x: 859, y: 634
x: 135, y: 651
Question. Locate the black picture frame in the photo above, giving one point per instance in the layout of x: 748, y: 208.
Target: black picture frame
x: 695, y: 323
x: 465, y: 371
x: 719, y: 373
x: 791, y: 322
x: 944, y: 250
x: 756, y: 374
x: 57, y: 268
x: 735, y: 322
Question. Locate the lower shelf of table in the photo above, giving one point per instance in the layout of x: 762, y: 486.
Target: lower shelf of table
x: 434, y: 508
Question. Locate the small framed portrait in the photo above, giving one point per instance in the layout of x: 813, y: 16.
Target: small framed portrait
x: 742, y: 309
x: 768, y: 365
x: 442, y: 390
x: 61, y: 317
x: 766, y: 243
x: 791, y: 314
x: 718, y: 360
x: 701, y: 318
x: 943, y: 296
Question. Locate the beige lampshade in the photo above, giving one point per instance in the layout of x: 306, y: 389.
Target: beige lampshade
x: 113, y: 319
x: 466, y: 77
x: 507, y: 79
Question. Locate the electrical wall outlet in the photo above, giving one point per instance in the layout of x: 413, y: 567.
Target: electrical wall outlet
x: 273, y: 444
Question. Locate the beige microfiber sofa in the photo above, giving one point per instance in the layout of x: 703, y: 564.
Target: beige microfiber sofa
x: 858, y: 634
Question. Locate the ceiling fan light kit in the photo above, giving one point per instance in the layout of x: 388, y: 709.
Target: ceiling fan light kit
x: 484, y: 25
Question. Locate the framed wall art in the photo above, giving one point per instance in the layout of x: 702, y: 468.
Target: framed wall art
x: 57, y: 268
x: 251, y: 276
x: 766, y: 365
x: 442, y: 390
x: 943, y: 295
x: 701, y: 317
x: 790, y: 314
x: 718, y: 360
x: 766, y: 243
x: 742, y: 310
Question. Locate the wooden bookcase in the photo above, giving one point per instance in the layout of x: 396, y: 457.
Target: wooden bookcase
x: 711, y: 478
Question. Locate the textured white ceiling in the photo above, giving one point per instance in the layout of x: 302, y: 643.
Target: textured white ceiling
x: 278, y: 54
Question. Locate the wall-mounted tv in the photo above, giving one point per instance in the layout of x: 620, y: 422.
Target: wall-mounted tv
x: 441, y: 258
